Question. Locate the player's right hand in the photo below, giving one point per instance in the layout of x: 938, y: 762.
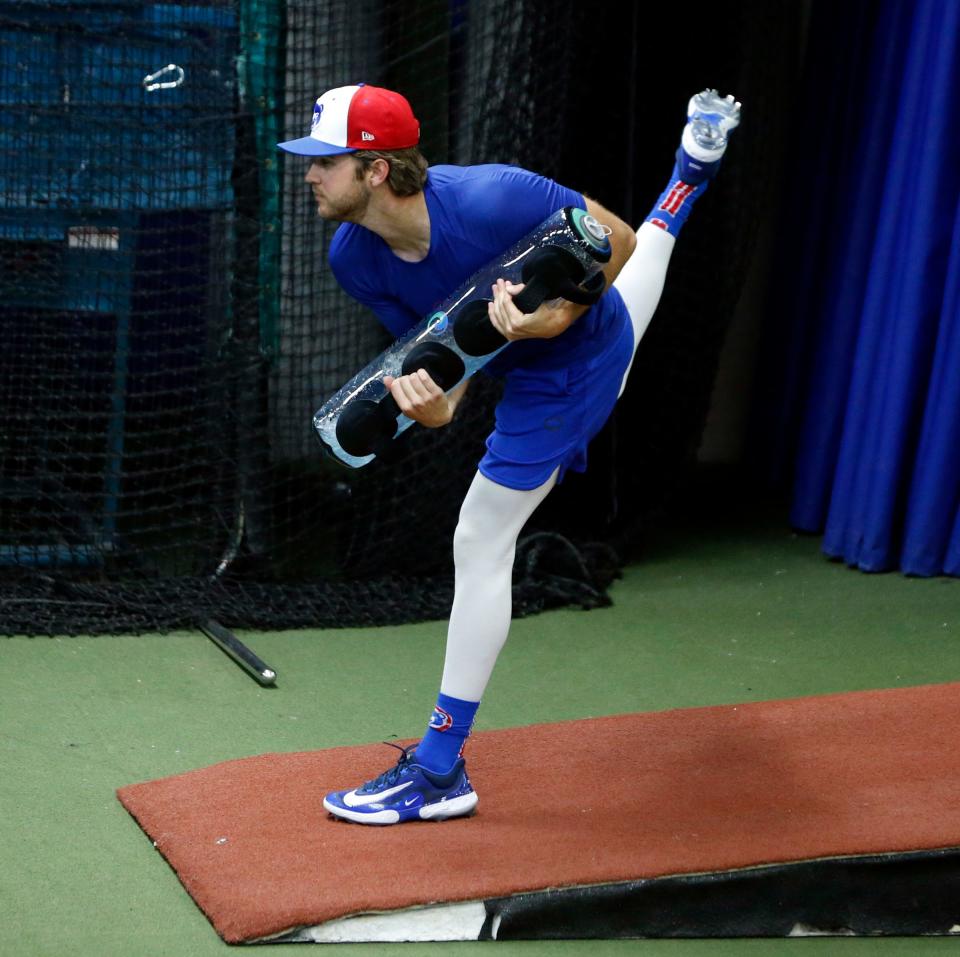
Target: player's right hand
x: 421, y: 399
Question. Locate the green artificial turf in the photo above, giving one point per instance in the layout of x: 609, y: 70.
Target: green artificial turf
x: 739, y: 609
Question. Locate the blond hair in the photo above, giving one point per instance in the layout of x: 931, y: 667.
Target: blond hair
x: 408, y: 168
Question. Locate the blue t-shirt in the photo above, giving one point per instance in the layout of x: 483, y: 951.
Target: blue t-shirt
x: 476, y: 214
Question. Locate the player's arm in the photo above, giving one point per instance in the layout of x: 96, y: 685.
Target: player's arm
x: 417, y: 395
x: 422, y: 400
x: 553, y: 318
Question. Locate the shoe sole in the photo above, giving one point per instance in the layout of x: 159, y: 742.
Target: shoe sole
x: 462, y: 806
x: 725, y: 108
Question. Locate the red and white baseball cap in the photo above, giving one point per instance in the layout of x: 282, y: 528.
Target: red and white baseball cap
x: 359, y: 117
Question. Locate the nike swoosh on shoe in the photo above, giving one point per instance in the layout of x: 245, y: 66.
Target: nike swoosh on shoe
x: 353, y: 799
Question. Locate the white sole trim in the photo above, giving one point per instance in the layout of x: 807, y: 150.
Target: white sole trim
x: 697, y: 152
x: 372, y: 817
x: 456, y: 807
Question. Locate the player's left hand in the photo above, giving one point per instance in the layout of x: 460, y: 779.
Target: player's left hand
x: 549, y: 320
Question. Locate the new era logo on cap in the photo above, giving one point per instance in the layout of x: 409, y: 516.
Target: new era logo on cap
x: 349, y: 118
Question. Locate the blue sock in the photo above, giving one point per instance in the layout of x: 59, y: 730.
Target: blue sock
x: 446, y: 734
x: 673, y: 207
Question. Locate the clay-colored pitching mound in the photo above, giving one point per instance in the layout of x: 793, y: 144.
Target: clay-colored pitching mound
x: 606, y: 801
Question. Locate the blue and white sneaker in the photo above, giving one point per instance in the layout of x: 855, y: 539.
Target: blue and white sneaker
x: 406, y: 792
x: 710, y: 120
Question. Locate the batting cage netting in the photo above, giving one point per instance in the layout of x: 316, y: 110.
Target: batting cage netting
x: 168, y: 323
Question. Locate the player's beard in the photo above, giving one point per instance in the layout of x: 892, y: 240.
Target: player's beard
x: 347, y: 209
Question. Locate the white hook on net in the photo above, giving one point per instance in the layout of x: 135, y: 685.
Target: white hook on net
x: 153, y: 82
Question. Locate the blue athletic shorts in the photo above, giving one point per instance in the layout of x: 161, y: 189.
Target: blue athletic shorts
x: 546, y: 418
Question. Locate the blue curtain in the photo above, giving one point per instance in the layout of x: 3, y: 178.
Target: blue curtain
x: 866, y: 421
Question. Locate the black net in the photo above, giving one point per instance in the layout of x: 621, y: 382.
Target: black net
x: 169, y: 323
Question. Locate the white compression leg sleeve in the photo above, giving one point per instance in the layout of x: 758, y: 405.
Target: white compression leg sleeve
x: 641, y: 280
x: 492, y: 516
x: 484, y: 545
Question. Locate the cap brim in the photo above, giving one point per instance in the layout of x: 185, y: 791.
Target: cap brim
x: 308, y: 146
